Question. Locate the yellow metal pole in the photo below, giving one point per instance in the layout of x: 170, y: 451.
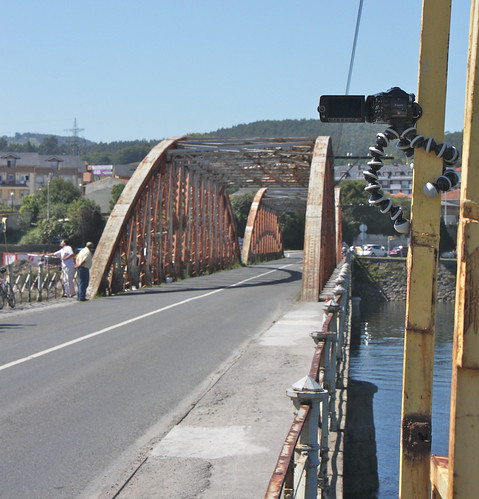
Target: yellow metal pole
x: 464, y: 428
x: 423, y: 258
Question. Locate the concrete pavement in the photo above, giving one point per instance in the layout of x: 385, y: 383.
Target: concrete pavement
x: 228, y: 444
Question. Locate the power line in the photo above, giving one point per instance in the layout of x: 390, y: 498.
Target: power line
x: 351, y: 65
x: 353, y: 52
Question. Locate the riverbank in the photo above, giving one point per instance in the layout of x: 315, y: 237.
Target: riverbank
x: 385, y: 279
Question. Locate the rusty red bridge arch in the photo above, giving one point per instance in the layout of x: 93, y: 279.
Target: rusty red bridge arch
x: 174, y: 218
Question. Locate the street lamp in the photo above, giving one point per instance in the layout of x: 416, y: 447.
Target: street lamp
x: 48, y: 195
x: 11, y: 198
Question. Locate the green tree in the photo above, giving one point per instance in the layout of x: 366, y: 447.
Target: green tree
x: 60, y: 191
x: 29, y: 147
x: 291, y: 224
x: 31, y: 237
x: 53, y: 199
x: 241, y: 205
x: 86, y: 220
x: 292, y: 229
x: 52, y: 231
x: 115, y: 194
x: 132, y: 154
x: 98, y: 158
x: 356, y: 210
x: 49, y: 146
x: 31, y: 204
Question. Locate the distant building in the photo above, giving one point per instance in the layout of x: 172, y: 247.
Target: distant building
x: 100, y: 192
x: 23, y: 173
x: 394, y: 179
x: 124, y: 172
x: 94, y: 173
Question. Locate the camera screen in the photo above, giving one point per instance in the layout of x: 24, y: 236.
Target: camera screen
x: 342, y: 108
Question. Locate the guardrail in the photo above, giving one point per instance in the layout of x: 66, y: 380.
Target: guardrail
x: 302, y: 467
x: 35, y: 283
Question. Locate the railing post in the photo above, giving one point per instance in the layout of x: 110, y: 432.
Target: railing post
x: 323, y: 481
x: 40, y: 280
x: 328, y: 369
x: 11, y: 278
x: 28, y: 281
x: 342, y: 289
x: 343, y: 281
x: 308, y: 391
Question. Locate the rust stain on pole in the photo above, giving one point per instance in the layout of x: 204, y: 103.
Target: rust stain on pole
x: 416, y: 435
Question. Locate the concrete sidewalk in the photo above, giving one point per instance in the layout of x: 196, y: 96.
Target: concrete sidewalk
x: 228, y: 444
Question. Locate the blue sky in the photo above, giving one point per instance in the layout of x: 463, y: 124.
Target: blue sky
x: 154, y: 69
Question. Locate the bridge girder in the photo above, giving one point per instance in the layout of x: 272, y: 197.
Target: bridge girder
x: 262, y: 237
x: 321, y: 246
x: 171, y: 221
x: 174, y: 218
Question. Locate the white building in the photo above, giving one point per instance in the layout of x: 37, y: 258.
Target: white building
x: 24, y: 173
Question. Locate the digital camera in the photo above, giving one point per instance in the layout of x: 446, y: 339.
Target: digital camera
x: 394, y: 107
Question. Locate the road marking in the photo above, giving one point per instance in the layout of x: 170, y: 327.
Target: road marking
x: 129, y: 321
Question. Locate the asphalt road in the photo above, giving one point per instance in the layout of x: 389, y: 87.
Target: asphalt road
x: 87, y: 388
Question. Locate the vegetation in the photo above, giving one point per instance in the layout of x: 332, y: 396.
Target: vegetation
x: 292, y: 229
x: 348, y: 138
x: 291, y: 224
x: 241, y: 205
x: 356, y: 211
x: 58, y: 211
x: 115, y: 194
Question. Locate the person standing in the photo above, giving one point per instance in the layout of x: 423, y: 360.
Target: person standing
x: 66, y: 255
x: 83, y: 265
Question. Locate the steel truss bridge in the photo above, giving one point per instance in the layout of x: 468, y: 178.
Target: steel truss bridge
x: 174, y: 218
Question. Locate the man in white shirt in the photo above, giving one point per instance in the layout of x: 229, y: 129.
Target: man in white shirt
x: 66, y: 255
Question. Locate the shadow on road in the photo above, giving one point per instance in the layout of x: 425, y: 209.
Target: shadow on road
x: 292, y: 276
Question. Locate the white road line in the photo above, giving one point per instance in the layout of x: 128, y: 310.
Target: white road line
x: 129, y: 321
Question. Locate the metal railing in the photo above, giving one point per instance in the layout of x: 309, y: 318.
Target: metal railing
x: 302, y: 467
x: 36, y: 283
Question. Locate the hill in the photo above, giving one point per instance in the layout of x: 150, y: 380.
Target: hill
x: 36, y: 139
x: 348, y: 138
x: 354, y: 138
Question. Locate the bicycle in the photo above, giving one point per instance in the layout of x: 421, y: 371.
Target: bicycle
x: 6, y: 290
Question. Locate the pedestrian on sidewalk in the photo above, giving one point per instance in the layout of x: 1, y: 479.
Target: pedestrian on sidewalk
x: 67, y: 258
x: 83, y: 265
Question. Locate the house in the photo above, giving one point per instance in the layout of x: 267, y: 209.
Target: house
x: 394, y: 179
x: 100, y: 192
x: 23, y: 173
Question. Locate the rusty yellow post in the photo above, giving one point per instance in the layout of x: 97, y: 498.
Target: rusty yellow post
x: 423, y: 258
x: 464, y: 428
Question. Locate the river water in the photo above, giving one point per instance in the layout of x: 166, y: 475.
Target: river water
x: 377, y: 357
